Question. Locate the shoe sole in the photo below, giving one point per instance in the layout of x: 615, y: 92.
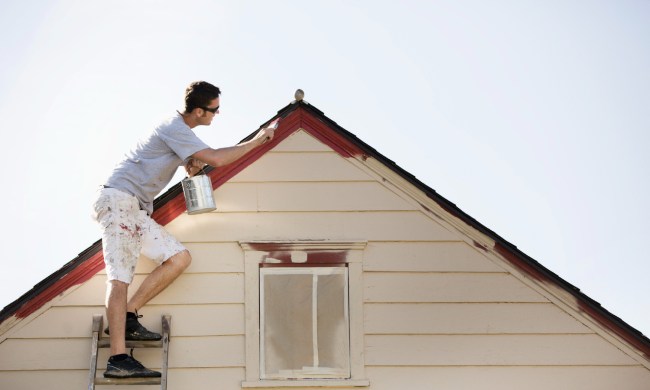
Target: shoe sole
x: 113, y: 376
x: 138, y: 339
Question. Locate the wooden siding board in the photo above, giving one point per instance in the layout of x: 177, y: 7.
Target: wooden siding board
x: 446, y: 287
x: 499, y: 378
x: 342, y: 226
x: 188, y: 320
x: 329, y: 196
x: 207, y: 257
x: 492, y: 350
x: 179, y: 378
x: 44, y: 354
x: 206, y: 378
x: 46, y: 380
x: 468, y: 318
x: 307, y: 196
x: 206, y: 320
x: 427, y: 257
x: 187, y: 289
x: 234, y: 197
x: 303, y: 167
x: 211, y: 257
x: 382, y: 378
x: 71, y: 354
x: 219, y: 351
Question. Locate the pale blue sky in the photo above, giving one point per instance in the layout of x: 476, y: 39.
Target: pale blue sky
x: 531, y: 116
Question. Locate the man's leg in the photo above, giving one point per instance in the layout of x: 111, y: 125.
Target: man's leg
x: 159, y: 279
x: 116, y: 293
x: 121, y: 365
x: 118, y: 215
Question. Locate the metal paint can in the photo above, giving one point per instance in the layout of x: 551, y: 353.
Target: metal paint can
x: 198, y: 194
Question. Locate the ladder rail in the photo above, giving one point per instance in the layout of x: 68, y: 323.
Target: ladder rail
x: 98, y: 319
x: 166, y: 326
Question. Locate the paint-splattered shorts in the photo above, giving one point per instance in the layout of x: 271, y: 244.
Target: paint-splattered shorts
x: 129, y: 232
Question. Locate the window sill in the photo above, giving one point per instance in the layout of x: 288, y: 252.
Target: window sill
x: 307, y: 383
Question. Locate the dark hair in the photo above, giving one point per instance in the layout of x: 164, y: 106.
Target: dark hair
x: 199, y: 94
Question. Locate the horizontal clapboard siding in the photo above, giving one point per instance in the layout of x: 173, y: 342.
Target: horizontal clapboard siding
x: 301, y: 167
x: 469, y: 318
x: 179, y: 378
x: 187, y: 289
x: 369, y: 225
x: 384, y: 378
x: 446, y: 287
x: 431, y: 256
x: 207, y: 257
x: 316, y: 196
x: 71, y: 354
x: 480, y: 350
x: 187, y: 320
x: 497, y: 378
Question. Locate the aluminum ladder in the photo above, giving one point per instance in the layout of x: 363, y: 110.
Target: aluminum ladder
x: 99, y: 342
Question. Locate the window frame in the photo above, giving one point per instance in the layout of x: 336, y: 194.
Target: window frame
x: 300, y: 253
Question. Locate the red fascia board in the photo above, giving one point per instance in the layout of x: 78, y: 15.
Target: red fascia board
x: 584, y: 303
x: 81, y: 273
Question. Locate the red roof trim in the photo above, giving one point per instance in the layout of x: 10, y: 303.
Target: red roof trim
x: 334, y: 140
x: 83, y: 272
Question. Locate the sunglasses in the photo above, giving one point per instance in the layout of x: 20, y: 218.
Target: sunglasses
x: 212, y: 110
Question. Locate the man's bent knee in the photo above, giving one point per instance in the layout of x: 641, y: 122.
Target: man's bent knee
x: 181, y: 260
x: 116, y: 292
x: 116, y: 285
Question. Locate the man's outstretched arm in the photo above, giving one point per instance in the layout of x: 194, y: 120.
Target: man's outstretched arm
x: 224, y: 156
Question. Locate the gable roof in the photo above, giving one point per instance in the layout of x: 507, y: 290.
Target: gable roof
x: 302, y: 115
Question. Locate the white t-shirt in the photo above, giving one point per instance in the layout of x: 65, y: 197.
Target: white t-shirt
x: 148, y: 168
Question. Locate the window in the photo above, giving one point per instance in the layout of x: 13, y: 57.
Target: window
x: 304, y: 320
x: 304, y: 326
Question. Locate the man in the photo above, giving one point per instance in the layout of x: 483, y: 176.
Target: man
x: 123, y: 209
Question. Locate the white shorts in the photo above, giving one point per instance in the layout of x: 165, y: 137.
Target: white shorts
x: 128, y: 232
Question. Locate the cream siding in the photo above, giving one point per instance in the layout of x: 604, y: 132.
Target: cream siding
x: 438, y: 312
x: 510, y: 377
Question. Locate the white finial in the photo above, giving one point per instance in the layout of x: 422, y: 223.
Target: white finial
x: 299, y: 95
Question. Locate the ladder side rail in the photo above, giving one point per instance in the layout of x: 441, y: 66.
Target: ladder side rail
x: 166, y: 328
x: 96, y: 329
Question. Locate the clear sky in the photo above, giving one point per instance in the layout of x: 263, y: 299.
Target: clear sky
x: 531, y: 116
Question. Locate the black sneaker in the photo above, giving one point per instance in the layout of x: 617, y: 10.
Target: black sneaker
x: 135, y: 330
x: 128, y: 367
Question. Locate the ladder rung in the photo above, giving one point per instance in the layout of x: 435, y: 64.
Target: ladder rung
x: 127, y: 381
x: 106, y: 343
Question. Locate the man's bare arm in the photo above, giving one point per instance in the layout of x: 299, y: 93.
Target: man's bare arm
x: 224, y: 156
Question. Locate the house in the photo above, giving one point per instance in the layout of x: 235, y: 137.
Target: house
x: 327, y: 265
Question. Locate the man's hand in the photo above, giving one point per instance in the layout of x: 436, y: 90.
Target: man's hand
x: 193, y: 166
x: 264, y: 135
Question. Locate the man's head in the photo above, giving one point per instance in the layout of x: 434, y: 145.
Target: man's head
x: 202, y: 100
